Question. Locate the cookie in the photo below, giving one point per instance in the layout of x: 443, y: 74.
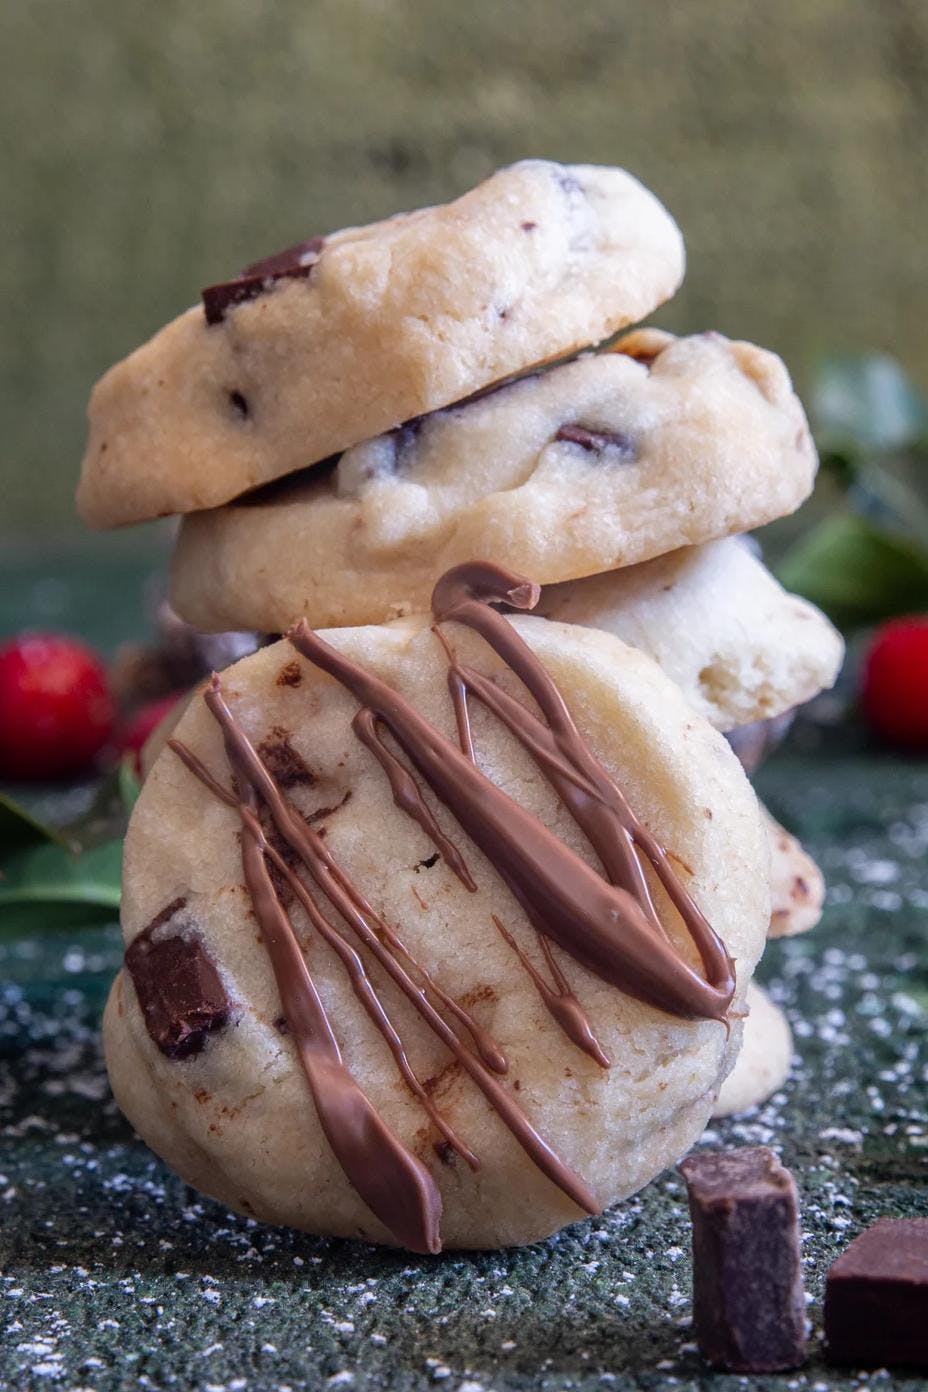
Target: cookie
x: 718, y: 623
x: 488, y: 1036
x: 797, y: 885
x: 346, y: 336
x: 763, y: 1065
x: 595, y: 464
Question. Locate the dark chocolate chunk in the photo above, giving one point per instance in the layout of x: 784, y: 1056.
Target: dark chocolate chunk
x: 178, y: 987
x: 294, y: 258
x: 748, y: 1301
x: 239, y: 404
x: 876, y: 1298
x: 596, y: 441
x: 293, y: 263
x: 752, y: 743
x: 284, y: 762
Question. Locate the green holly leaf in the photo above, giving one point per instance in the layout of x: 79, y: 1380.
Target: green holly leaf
x: 19, y: 827
x: 857, y: 571
x: 64, y: 877
x: 50, y: 874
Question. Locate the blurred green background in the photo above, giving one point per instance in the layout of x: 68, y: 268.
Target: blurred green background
x: 150, y: 149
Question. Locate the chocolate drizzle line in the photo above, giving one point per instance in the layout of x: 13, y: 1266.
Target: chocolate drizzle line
x: 388, y: 1177
x: 560, y: 1002
x: 608, y: 925
x: 482, y: 1061
x: 354, y: 966
x: 407, y: 796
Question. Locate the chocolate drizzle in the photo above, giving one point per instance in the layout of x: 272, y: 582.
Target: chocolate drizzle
x: 560, y: 1002
x: 608, y: 923
x: 350, y: 959
x: 475, y: 1050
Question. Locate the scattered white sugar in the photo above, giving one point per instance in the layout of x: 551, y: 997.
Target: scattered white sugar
x: 845, y: 1134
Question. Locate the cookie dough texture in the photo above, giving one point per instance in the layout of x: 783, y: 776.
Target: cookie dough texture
x: 718, y: 623
x: 237, y: 1120
x: 396, y: 319
x: 691, y: 439
x: 763, y: 1064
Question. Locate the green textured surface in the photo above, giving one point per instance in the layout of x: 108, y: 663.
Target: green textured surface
x: 114, y: 1275
x: 151, y: 149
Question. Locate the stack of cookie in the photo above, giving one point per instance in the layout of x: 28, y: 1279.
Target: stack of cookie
x: 342, y: 425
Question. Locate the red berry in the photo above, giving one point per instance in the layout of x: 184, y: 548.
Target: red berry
x: 56, y: 712
x: 145, y: 721
x: 895, y: 682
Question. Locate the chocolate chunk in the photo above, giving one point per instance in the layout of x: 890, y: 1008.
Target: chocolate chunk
x: 876, y: 1298
x: 752, y: 743
x: 748, y: 1302
x: 293, y: 263
x: 596, y: 441
x: 178, y: 987
x: 284, y: 763
x: 302, y: 255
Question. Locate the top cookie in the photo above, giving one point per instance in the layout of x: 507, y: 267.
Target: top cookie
x: 349, y: 335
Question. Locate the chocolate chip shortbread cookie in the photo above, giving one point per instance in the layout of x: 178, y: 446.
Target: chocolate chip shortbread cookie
x: 594, y: 464
x: 414, y: 957
x: 346, y: 336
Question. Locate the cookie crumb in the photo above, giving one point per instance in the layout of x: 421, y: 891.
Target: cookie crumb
x: 291, y: 674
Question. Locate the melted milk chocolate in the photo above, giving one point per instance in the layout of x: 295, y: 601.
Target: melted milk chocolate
x: 610, y: 925
x: 388, y: 1177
